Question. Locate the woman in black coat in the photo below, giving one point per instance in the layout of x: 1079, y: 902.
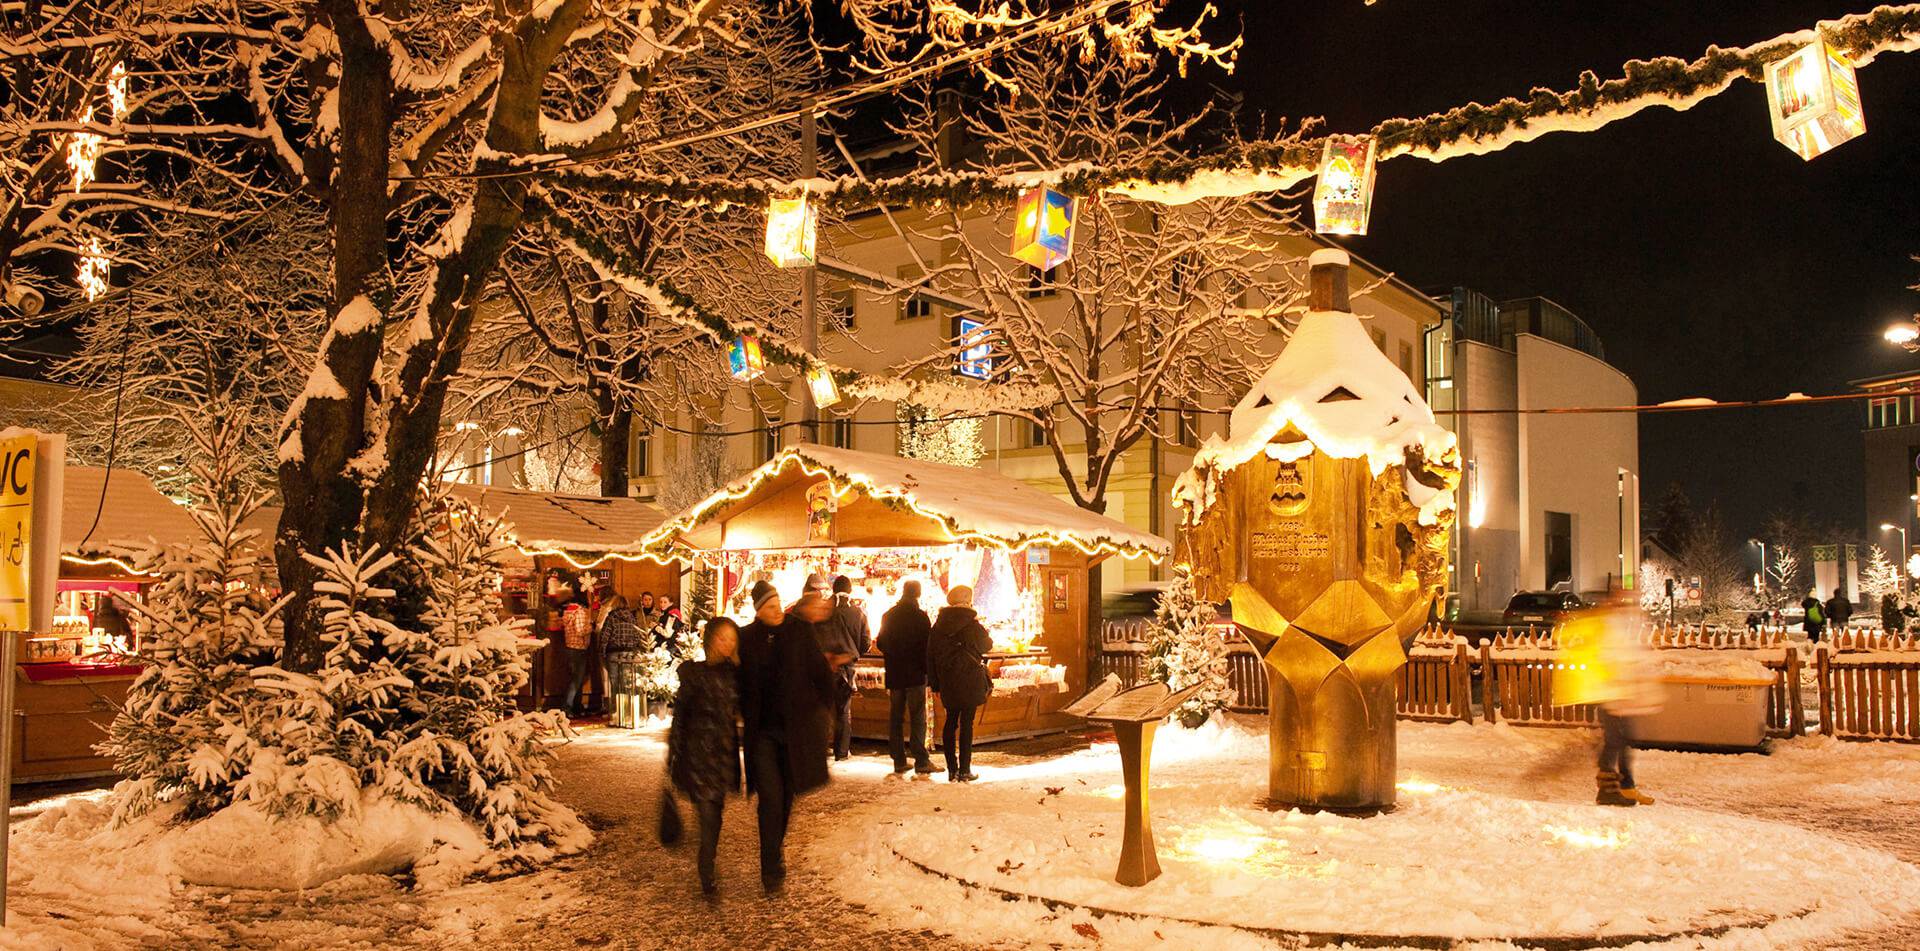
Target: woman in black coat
x: 703, y: 746
x: 957, y: 670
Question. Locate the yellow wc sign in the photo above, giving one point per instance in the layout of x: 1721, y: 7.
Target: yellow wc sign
x: 16, y: 531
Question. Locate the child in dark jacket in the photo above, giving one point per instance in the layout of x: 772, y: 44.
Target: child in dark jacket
x: 703, y: 745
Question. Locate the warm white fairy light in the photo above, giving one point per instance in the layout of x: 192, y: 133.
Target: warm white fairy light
x: 117, y: 92
x: 94, y: 269
x: 83, y: 153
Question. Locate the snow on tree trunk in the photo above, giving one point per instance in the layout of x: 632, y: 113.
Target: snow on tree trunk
x: 1187, y: 648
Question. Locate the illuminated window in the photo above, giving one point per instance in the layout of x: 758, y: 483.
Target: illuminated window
x: 837, y: 431
x: 1043, y: 283
x: 913, y: 306
x: 840, y: 310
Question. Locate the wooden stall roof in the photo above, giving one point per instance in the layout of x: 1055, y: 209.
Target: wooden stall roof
x: 545, y: 522
x: 132, y: 514
x: 888, y: 500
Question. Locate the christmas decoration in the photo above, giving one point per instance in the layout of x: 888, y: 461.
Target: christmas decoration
x: 744, y: 358
x: 1813, y: 100
x: 975, y: 358
x: 820, y: 383
x: 1323, y: 517
x: 1882, y: 576
x: 925, y: 434
x: 1043, y: 227
x: 94, y: 269
x: 791, y: 226
x: 1343, y: 194
x: 1188, y: 648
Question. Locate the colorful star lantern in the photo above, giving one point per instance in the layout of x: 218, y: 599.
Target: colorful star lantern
x: 1814, y: 100
x: 1343, y: 195
x: 1043, y: 227
x: 820, y: 384
x: 744, y: 358
x: 791, y: 225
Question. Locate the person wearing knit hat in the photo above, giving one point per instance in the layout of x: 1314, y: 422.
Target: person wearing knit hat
x: 786, y: 695
x: 817, y: 582
x: 957, y: 670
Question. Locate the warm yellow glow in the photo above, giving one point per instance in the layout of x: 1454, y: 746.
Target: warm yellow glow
x: 107, y: 560
x: 791, y: 227
x: 1903, y: 334
x: 578, y: 565
x: 1224, y: 850
x: 1418, y: 786
x: 1587, y: 838
x: 820, y: 384
x: 842, y: 484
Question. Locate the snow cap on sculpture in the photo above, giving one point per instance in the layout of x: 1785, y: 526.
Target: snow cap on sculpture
x: 1330, y: 389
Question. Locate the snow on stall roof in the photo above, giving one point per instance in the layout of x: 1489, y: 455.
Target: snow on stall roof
x: 970, y: 502
x: 570, y: 523
x: 134, y: 512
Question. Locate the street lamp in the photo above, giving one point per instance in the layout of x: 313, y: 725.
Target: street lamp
x: 1890, y: 527
x: 1905, y: 335
x: 1762, y: 586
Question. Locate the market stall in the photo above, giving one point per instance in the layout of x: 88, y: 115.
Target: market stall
x: 72, y: 679
x: 882, y: 521
x: 568, y: 546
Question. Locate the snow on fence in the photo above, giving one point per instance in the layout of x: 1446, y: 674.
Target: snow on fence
x: 1869, y: 686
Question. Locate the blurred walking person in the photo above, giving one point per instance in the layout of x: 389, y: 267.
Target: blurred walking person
x: 703, y: 745
x: 1607, y: 665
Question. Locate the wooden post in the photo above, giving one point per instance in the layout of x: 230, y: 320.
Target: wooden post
x: 1138, y: 863
x: 9, y: 648
x: 1796, y: 709
x: 1823, y: 684
x: 1489, y: 692
x: 1462, y: 684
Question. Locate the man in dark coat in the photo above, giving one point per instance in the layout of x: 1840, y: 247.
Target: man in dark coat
x: 903, y: 639
x: 957, y: 669
x: 786, y: 691
x: 845, y: 632
x: 703, y: 746
x: 1839, y: 609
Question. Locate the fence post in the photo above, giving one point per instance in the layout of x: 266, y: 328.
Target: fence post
x: 1796, y: 711
x: 1462, y: 675
x: 1489, y: 691
x: 1823, y: 684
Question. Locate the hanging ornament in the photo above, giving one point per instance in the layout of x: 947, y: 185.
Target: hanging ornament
x: 791, y: 224
x: 94, y: 269
x: 820, y: 383
x: 117, y: 92
x: 1043, y: 227
x: 1813, y: 100
x: 1343, y: 193
x: 83, y: 153
x: 744, y: 358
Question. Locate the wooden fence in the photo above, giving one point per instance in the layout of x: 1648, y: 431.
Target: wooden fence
x: 1862, y: 695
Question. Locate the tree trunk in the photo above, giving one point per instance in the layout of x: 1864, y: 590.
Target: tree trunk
x: 616, y: 435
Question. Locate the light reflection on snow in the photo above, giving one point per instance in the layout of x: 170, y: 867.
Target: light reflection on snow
x: 1587, y: 838
x: 1418, y: 786
x: 1229, y: 840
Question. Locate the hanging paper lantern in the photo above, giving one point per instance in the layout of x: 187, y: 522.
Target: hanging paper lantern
x: 1814, y: 100
x: 1043, y: 227
x: 790, y: 231
x: 1343, y: 194
x: 820, y: 383
x: 745, y: 359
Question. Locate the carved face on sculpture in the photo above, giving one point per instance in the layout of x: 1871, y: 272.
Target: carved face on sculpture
x: 1336, y: 552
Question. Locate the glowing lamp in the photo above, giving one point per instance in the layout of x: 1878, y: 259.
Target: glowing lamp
x: 820, y: 383
x: 744, y: 358
x: 1814, y: 100
x: 790, y: 232
x: 1043, y: 227
x: 1343, y: 193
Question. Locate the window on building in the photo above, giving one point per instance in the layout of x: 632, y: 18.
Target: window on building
x: 769, y: 435
x: 1035, y: 433
x: 1885, y: 411
x: 837, y: 431
x: 1406, y: 359
x: 1559, y: 549
x: 840, y: 310
x: 1184, y: 428
x: 913, y: 306
x: 640, y: 460
x: 1045, y: 283
x: 1379, y: 338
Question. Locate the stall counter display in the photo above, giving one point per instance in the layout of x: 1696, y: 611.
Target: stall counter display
x: 63, y: 707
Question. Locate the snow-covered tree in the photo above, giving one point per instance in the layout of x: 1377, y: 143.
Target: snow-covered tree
x: 1881, y: 578
x: 925, y: 434
x: 1187, y: 648
x: 1783, y: 578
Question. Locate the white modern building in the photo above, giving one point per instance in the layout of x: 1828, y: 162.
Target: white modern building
x: 1547, y: 500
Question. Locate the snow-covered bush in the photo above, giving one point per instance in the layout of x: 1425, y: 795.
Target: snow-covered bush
x: 1186, y: 647
x: 412, y: 703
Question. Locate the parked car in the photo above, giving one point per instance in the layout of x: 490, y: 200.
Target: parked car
x: 1143, y: 601
x: 1540, y: 608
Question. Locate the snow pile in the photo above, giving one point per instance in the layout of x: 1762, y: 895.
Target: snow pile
x: 1331, y: 390
x: 1711, y: 665
x: 1452, y: 862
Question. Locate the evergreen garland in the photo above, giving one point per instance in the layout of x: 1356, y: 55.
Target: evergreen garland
x: 1666, y: 80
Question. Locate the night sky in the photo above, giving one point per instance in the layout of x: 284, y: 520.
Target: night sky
x: 1711, y: 260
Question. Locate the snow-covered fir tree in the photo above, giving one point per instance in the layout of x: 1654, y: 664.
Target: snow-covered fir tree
x: 1186, y: 647
x: 1881, y: 578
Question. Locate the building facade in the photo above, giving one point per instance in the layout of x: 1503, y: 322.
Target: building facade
x: 1546, y: 500
x: 1890, y: 434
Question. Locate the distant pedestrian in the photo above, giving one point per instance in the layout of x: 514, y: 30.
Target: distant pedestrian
x: 786, y: 691
x: 703, y: 745
x: 576, y: 627
x: 1816, y: 616
x: 1839, y: 610
x: 903, y: 642
x: 957, y: 670
x: 845, y: 632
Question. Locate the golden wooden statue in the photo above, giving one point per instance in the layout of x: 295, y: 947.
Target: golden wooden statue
x: 1323, y: 518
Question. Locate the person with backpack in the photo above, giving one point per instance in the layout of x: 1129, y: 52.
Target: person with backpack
x: 1816, y: 619
x: 957, y: 671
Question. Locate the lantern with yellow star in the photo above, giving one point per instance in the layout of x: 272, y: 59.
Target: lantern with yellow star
x: 1343, y: 194
x: 1814, y: 100
x: 820, y: 384
x: 1043, y: 227
x: 745, y: 359
x: 791, y: 224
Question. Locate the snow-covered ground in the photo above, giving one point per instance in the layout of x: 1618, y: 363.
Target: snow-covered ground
x: 1494, y: 836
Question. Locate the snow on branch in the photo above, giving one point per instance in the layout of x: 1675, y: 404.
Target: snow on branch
x: 1471, y: 129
